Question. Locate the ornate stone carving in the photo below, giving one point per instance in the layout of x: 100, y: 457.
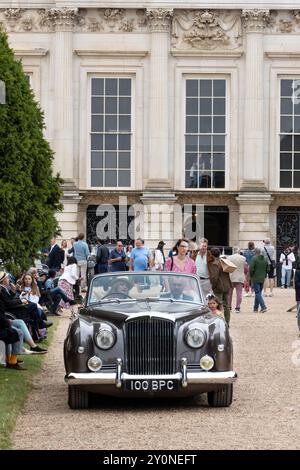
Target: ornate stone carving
x: 297, y: 15
x: 255, y: 20
x: 59, y: 19
x: 159, y: 19
x: 206, y: 29
x: 285, y: 26
x: 13, y: 16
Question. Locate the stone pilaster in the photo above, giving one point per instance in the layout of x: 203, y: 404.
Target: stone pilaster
x: 68, y: 219
x: 253, y: 177
x: 254, y: 217
x: 158, y: 166
x: 63, y: 20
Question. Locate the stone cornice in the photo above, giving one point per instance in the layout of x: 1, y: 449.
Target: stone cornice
x: 159, y: 19
x: 201, y: 53
x: 107, y: 53
x: 283, y: 55
x: 255, y: 20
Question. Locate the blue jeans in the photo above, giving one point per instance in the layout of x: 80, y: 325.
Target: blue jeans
x: 298, y: 315
x: 15, y: 348
x: 21, y: 325
x: 285, y: 276
x: 258, y: 301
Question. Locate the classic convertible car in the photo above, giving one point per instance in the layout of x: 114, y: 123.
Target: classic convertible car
x: 147, y: 334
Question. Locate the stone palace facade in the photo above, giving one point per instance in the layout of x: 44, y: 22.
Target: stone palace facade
x: 163, y: 104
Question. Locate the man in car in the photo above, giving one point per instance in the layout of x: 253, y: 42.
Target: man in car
x: 176, y: 292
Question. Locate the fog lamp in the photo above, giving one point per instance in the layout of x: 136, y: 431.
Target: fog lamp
x: 206, y: 362
x: 94, y: 363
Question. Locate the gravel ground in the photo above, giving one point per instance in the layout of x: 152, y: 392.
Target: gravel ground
x: 265, y: 413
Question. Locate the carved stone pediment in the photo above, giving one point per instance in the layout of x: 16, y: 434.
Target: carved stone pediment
x: 206, y: 29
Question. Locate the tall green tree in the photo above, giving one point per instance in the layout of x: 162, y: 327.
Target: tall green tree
x: 29, y: 192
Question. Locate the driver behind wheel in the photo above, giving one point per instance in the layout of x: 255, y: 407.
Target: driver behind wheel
x: 120, y: 286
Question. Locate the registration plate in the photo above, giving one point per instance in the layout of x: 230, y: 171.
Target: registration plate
x: 152, y: 385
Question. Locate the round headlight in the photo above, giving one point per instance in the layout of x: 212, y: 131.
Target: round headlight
x: 206, y: 362
x: 195, y: 337
x: 94, y: 363
x: 105, y: 338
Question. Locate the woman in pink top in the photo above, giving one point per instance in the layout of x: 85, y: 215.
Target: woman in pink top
x: 181, y: 263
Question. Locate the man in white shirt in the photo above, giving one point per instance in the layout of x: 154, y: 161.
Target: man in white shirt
x: 287, y: 258
x: 237, y: 277
x: 202, y: 270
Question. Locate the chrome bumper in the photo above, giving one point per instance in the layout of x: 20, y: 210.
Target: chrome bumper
x: 190, y: 378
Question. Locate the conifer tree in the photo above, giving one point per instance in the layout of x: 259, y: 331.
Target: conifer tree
x: 29, y: 192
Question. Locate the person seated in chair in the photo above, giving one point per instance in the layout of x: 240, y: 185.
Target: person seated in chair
x: 176, y: 291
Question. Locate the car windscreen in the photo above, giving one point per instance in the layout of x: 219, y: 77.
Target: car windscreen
x: 144, y: 286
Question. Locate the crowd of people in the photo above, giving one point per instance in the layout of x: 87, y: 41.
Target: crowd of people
x: 25, y: 298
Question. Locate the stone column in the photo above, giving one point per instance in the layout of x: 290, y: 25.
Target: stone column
x: 254, y: 218
x: 158, y: 166
x: 253, y: 177
x: 64, y: 20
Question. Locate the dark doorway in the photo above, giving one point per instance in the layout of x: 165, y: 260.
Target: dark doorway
x: 116, y: 223
x: 288, y: 230
x: 216, y: 224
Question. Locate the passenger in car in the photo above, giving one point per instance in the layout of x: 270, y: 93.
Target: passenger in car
x: 214, y: 305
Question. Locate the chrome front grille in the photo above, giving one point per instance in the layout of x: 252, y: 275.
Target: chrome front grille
x: 150, y: 346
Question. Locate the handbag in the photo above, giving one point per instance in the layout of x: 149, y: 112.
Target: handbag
x: 227, y: 265
x: 272, y: 261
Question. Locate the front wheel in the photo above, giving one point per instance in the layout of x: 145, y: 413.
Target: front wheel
x: 222, y: 397
x: 77, y: 399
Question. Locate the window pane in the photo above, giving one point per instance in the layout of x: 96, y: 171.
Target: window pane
x: 124, y: 160
x: 97, y: 86
x: 97, y: 123
x: 286, y: 87
x: 286, y: 161
x: 297, y: 179
x: 204, y: 143
x: 124, y: 142
x: 97, y: 105
x: 286, y: 143
x: 205, y: 87
x: 125, y: 105
x: 297, y: 124
x: 285, y: 179
x: 191, y: 124
x: 296, y: 106
x: 204, y: 179
x: 125, y: 86
x: 219, y: 161
x: 192, y: 106
x: 191, y: 160
x: 110, y: 141
x: 219, y: 87
x: 191, y: 179
x: 218, y: 179
x: 286, y: 106
x: 191, y: 143
x: 205, y: 106
x: 110, y: 159
x: 219, y: 124
x: 219, y: 106
x: 124, y: 178
x: 111, y: 86
x: 125, y: 123
x: 111, y: 105
x: 96, y: 142
x: 205, y: 124
x: 192, y: 88
x: 97, y: 160
x: 296, y: 142
x: 97, y: 178
x: 111, y: 123
x: 296, y: 161
x: 110, y: 178
x: 204, y: 161
x: 219, y: 143
x: 286, y: 124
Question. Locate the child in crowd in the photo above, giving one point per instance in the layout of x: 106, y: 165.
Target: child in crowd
x: 214, y: 305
